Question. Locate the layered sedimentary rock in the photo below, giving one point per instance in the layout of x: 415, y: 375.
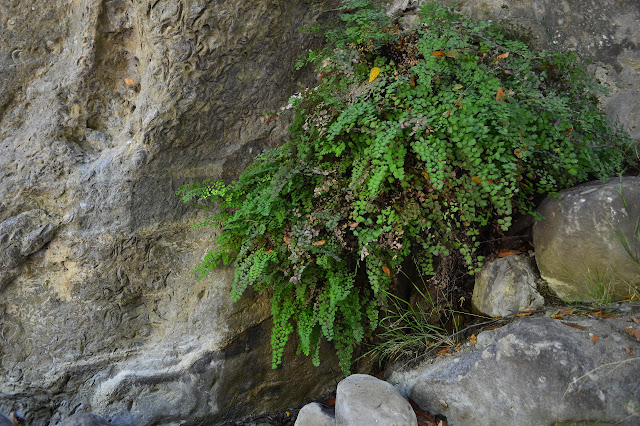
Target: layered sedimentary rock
x: 106, y: 108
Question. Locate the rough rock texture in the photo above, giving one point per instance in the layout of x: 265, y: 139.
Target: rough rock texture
x: 578, y: 249
x: 314, y: 415
x: 106, y: 108
x: 85, y: 419
x: 505, y: 286
x: 536, y: 371
x: 363, y: 400
x: 605, y: 31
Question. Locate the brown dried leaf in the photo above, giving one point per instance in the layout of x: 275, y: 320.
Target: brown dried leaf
x: 636, y: 320
x: 507, y: 252
x: 594, y: 338
x: 503, y: 56
x: 473, y: 339
x: 386, y: 271
x: 438, y: 54
x: 634, y: 333
x: 129, y: 81
x: 500, y: 96
x: 318, y: 243
x: 565, y: 311
x: 628, y: 351
x: 286, y: 239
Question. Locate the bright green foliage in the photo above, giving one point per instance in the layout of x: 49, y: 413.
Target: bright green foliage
x: 463, y: 128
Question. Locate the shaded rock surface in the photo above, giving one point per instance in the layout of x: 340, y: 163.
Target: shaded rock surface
x: 363, y: 400
x: 505, y: 286
x: 85, y: 419
x: 535, y: 371
x: 578, y: 247
x: 106, y: 108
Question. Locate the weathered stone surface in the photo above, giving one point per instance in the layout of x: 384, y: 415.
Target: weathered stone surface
x: 21, y: 236
x: 363, y: 400
x: 106, y: 108
x: 605, y: 31
x: 314, y: 415
x: 85, y: 419
x: 505, y: 286
x: 577, y: 250
x: 4, y: 421
x: 535, y: 371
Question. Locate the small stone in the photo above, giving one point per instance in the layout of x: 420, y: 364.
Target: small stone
x: 314, y: 415
x: 363, y: 400
x: 505, y: 286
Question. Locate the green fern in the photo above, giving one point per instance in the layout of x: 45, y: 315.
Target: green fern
x: 463, y: 128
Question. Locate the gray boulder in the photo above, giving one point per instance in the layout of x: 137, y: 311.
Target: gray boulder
x: 505, y: 286
x: 314, y: 415
x: 85, y: 419
x: 535, y: 371
x: 578, y: 247
x: 363, y: 400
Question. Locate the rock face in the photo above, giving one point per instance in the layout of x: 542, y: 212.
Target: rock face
x: 363, y: 400
x: 106, y: 108
x: 578, y: 247
x: 535, y: 371
x: 505, y: 286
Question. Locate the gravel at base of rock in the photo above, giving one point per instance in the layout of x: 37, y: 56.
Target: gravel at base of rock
x: 363, y: 400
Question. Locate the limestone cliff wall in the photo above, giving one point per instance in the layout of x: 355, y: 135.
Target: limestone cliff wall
x: 107, y: 107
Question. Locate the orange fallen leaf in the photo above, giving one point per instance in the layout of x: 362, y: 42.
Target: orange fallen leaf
x: 458, y: 87
x: 412, y: 82
x: 444, y: 352
x: 574, y: 325
x: 386, y: 271
x: 634, y: 333
x: 438, y: 54
x: 318, y: 243
x: 525, y: 313
x: 507, y: 252
x: 556, y: 317
x: 476, y: 179
x: 473, y: 339
x: 495, y: 327
x: 354, y: 224
x: 268, y: 251
x: 565, y: 311
x: 628, y: 351
x: 375, y: 71
x: 500, y: 96
x: 287, y: 413
x: 129, y: 81
x: 504, y: 55
x: 605, y: 316
x: 594, y: 338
